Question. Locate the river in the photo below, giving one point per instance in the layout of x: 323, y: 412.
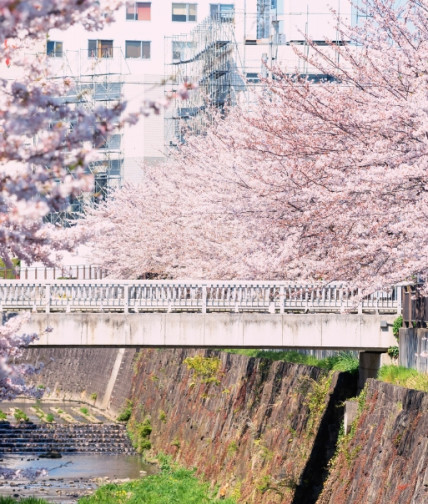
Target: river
x: 75, y: 474
x: 71, y: 476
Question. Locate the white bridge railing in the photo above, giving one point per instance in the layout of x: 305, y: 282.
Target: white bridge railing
x: 198, y: 296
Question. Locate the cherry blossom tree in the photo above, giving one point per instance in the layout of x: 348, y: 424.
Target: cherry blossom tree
x: 321, y: 181
x: 43, y: 159
x: 45, y: 146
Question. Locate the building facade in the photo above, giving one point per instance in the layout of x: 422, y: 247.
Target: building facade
x: 224, y: 47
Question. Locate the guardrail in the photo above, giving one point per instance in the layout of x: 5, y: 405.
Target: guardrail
x: 198, y: 296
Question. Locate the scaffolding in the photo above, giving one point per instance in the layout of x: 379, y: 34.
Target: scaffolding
x: 208, y: 56
x: 97, y: 82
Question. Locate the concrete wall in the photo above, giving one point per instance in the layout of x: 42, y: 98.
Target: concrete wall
x: 78, y: 373
x: 413, y: 344
x: 227, y: 330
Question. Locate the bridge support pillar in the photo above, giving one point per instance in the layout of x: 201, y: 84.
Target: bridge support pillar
x: 369, y: 366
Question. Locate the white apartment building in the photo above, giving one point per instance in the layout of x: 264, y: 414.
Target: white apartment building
x: 159, y: 39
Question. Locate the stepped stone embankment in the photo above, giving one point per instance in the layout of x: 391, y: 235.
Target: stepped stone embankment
x: 264, y: 431
x: 83, y: 438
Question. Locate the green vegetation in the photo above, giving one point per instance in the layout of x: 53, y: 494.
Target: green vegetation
x: 139, y: 433
x: 404, y: 377
x: 172, y: 485
x: 8, y: 273
x: 126, y: 413
x: 20, y: 416
x: 93, y: 396
x: 343, y: 446
x: 84, y: 410
x: 393, y: 352
x: 45, y: 417
x: 343, y: 361
x: 3, y: 415
x: 204, y: 368
x: 316, y: 400
x: 162, y: 416
x: 396, y: 325
x: 232, y: 448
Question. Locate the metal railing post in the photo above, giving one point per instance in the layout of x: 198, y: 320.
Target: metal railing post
x: 204, y: 299
x: 360, y: 303
x: 126, y: 296
x: 281, y: 299
x: 399, y: 299
x: 48, y: 299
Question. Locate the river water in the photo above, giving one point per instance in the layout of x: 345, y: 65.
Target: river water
x: 72, y: 476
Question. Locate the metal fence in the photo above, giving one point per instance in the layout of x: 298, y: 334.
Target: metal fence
x: 169, y: 296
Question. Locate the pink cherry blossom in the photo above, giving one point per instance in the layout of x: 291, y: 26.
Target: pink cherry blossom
x: 321, y: 181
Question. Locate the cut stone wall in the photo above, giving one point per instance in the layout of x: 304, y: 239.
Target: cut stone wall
x: 386, y: 459
x: 264, y: 431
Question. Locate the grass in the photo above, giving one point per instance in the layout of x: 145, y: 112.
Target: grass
x: 404, y: 377
x: 343, y: 361
x: 172, y: 485
x: 204, y: 368
x: 139, y: 433
x: 3, y: 415
x: 20, y: 416
x: 126, y: 412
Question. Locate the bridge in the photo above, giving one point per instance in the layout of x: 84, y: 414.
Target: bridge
x: 217, y: 314
x: 203, y: 314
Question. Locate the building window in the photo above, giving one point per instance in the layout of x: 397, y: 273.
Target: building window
x: 137, y: 49
x: 138, y: 11
x: 112, y: 143
x: 100, y: 48
x: 54, y: 49
x: 181, y: 50
x: 184, y: 12
x: 222, y: 12
x: 263, y: 18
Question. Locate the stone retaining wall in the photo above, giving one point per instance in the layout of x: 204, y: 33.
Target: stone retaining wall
x: 265, y: 432
x: 83, y: 373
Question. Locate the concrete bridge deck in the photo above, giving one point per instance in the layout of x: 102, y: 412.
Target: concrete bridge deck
x: 258, y: 314
x: 217, y: 330
x: 218, y: 314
